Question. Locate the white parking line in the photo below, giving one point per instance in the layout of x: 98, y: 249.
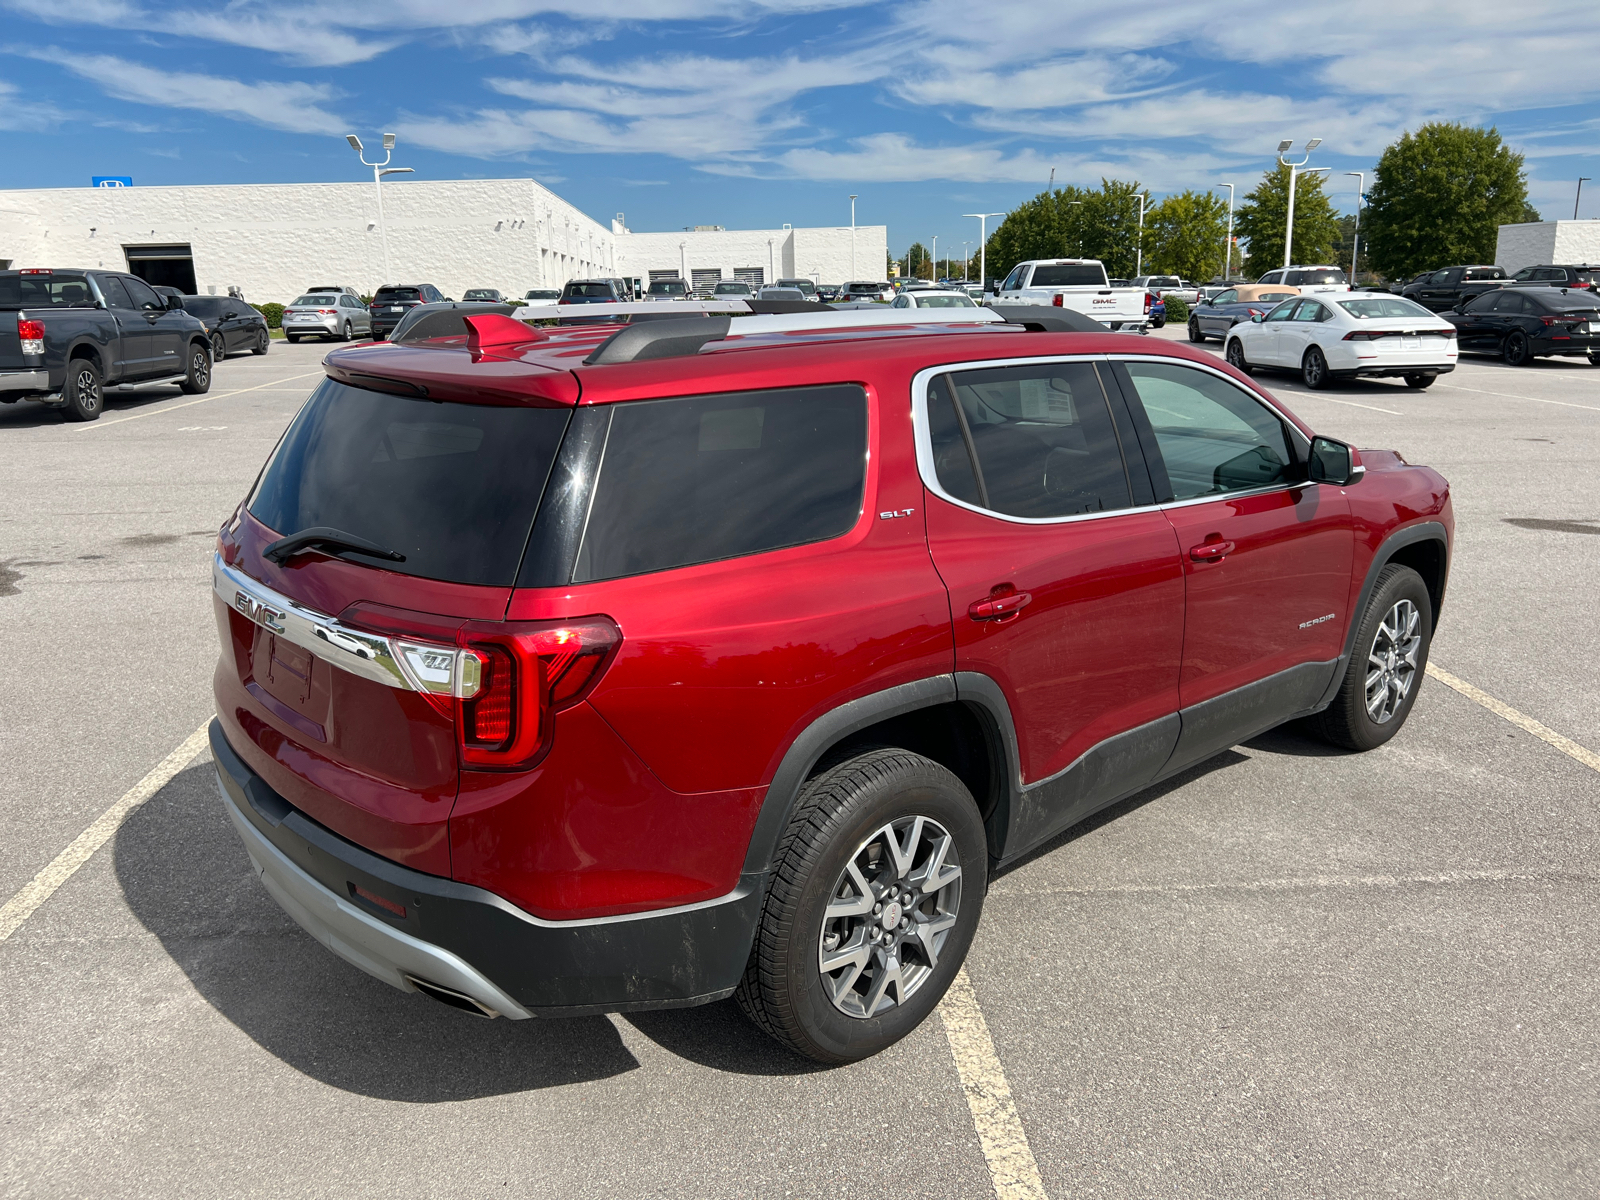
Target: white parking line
x: 1513, y: 396
x: 188, y: 403
x: 43, y: 885
x: 1521, y: 720
x: 994, y: 1113
x: 1351, y: 403
x: 1296, y: 883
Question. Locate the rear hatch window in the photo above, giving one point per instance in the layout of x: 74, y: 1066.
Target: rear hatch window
x: 1308, y: 278
x: 713, y: 477
x: 590, y: 291
x: 397, y: 294
x: 453, y: 487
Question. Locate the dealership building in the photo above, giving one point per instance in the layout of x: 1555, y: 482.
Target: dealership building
x: 272, y: 241
x: 1558, y: 243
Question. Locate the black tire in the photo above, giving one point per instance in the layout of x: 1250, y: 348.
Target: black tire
x: 291, y: 339
x: 83, y: 391
x: 1236, y: 358
x: 219, y: 348
x: 1157, y: 322
x: 1516, y: 350
x: 263, y: 341
x: 838, y: 819
x: 196, y: 379
x: 1420, y: 381
x: 344, y: 334
x: 1314, y: 370
x: 1194, y: 331
x: 1347, y: 721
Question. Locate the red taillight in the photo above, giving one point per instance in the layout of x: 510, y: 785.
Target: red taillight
x: 1056, y: 300
x: 1149, y: 302
x: 1365, y: 335
x: 327, y: 312
x: 527, y: 674
x: 37, y: 271
x: 32, y: 335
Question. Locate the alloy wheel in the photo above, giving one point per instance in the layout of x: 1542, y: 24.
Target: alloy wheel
x: 219, y: 348
x: 1315, y: 368
x: 1392, y: 661
x: 1236, y: 354
x: 88, y: 388
x: 891, y: 910
x: 201, y: 368
x: 1516, y: 351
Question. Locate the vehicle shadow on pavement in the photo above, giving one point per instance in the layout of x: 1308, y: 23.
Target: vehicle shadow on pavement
x: 188, y: 880
x: 24, y: 415
x: 1228, y: 758
x: 719, y: 1037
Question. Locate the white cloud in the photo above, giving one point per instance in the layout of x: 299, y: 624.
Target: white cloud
x: 292, y: 106
x: 19, y: 113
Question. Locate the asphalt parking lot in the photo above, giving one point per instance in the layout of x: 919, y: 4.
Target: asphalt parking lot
x: 1289, y: 972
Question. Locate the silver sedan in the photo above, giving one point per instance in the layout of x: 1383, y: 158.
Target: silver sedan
x: 327, y: 314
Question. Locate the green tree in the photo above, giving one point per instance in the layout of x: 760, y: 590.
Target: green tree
x: 1264, y: 213
x: 1439, y: 196
x: 1529, y: 214
x: 1183, y: 235
x: 1070, y: 222
x: 917, y: 264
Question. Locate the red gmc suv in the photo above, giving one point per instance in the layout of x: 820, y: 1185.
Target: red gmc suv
x: 572, y: 670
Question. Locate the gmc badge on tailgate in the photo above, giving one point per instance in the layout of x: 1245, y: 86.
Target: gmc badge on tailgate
x: 261, y: 613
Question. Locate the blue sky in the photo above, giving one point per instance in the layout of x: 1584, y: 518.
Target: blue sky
x: 750, y: 113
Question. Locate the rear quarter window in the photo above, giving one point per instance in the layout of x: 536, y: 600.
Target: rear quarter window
x: 453, y: 487
x: 705, y: 478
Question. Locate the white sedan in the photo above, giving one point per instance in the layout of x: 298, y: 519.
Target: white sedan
x: 932, y: 298
x: 1345, y: 335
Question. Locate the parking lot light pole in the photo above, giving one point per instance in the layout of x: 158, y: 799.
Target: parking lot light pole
x: 379, y: 170
x: 1227, y: 241
x: 852, y: 237
x: 1138, y: 250
x: 934, y: 276
x: 983, y: 245
x: 965, y: 257
x: 1283, y: 147
x: 1582, y: 179
x: 1355, y: 244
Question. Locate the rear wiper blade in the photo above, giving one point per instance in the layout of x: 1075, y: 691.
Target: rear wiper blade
x: 328, y: 538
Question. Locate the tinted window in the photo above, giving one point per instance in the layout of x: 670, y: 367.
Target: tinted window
x: 1439, y: 277
x: 1485, y: 273
x: 595, y: 291
x: 1043, y: 437
x: 1482, y: 304
x: 1069, y: 275
x: 116, y: 295
x: 43, y: 291
x: 1213, y: 437
x: 453, y: 487
x: 712, y: 477
x: 1013, y: 280
x: 202, y: 306
x: 397, y: 293
x: 143, y: 297
x: 1512, y: 303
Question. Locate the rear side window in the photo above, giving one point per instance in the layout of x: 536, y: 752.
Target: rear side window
x: 201, y: 306
x: 712, y: 477
x: 1213, y: 437
x: 1068, y: 275
x: 1030, y: 441
x: 453, y: 487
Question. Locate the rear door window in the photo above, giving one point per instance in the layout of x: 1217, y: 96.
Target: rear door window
x: 704, y: 478
x: 1034, y: 441
x: 453, y: 487
x: 1212, y: 436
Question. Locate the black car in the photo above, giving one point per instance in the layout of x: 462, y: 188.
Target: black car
x: 1522, y: 324
x: 482, y: 296
x: 596, y: 291
x: 1547, y: 275
x: 392, y: 301
x: 1441, y: 290
x: 233, y: 325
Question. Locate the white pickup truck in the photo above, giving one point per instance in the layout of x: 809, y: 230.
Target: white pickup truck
x: 1079, y: 284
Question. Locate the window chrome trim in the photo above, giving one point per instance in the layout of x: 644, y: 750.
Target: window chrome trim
x: 369, y: 655
x: 928, y: 470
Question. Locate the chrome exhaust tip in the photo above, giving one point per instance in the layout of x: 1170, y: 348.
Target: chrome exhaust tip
x: 455, y: 999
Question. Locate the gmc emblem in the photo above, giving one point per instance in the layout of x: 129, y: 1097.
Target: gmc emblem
x: 261, y: 613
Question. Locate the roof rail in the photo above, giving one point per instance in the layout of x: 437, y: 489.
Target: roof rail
x: 659, y: 339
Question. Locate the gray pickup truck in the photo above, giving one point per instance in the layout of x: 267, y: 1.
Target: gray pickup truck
x: 66, y: 335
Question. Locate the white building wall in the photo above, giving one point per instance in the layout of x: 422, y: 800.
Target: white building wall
x: 1559, y: 243
x: 821, y: 254
x: 273, y: 240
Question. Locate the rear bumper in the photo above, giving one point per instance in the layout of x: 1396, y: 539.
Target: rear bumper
x: 466, y: 941
x: 31, y: 379
x: 1395, y: 369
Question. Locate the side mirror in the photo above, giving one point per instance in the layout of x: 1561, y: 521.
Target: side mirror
x: 174, y: 302
x: 1334, y: 463
x: 1258, y: 318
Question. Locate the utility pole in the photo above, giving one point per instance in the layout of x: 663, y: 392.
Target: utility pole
x: 983, y: 244
x: 1283, y: 147
x: 1077, y: 204
x: 1138, y: 262
x: 1355, y: 248
x: 379, y: 170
